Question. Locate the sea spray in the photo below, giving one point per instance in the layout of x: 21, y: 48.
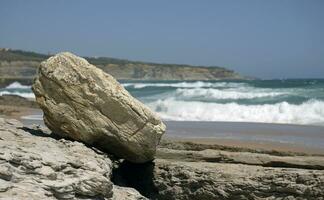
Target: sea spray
x: 310, y: 112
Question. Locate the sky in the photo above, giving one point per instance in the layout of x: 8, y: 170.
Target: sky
x: 259, y: 38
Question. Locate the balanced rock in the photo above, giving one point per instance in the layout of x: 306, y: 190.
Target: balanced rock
x: 82, y: 102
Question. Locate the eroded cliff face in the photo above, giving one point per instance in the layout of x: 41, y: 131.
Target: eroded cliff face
x: 22, y: 66
x: 173, y: 72
x: 24, y: 72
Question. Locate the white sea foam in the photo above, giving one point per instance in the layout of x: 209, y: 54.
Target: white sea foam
x: 310, y: 112
x: 28, y: 95
x: 17, y: 85
x: 16, y: 88
x: 33, y: 117
x: 212, y: 93
x: 187, y: 101
x: 196, y: 84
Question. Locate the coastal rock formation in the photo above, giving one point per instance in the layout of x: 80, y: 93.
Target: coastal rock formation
x: 40, y: 167
x: 170, y: 179
x: 82, y: 102
x: 247, y: 158
x: 33, y: 165
x: 198, y: 171
x: 197, y: 180
x: 125, y: 193
x: 17, y: 65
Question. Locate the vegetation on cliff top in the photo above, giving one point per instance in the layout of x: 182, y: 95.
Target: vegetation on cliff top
x: 16, y: 63
x: 20, y: 55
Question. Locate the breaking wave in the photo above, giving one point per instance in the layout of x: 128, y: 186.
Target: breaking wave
x: 196, y: 84
x: 16, y: 88
x: 211, y: 93
x: 275, y: 101
x: 28, y: 95
x: 17, y: 85
x: 310, y: 112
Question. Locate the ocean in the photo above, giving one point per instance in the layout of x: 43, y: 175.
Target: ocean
x: 262, y: 101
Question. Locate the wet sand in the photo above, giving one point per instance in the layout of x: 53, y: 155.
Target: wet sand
x: 279, y: 137
x: 16, y: 112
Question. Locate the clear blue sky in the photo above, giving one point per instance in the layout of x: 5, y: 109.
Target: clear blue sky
x: 267, y: 39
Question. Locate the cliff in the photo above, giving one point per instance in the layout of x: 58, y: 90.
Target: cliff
x: 17, y: 65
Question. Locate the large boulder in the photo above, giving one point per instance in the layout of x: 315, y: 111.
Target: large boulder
x: 82, y: 102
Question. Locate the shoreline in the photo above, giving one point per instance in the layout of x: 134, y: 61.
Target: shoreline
x: 254, y: 136
x: 307, y: 139
x: 291, y: 138
x: 254, y: 146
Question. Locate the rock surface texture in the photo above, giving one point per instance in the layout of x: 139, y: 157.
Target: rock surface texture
x: 169, y: 179
x: 125, y: 193
x: 218, y: 174
x: 33, y: 165
x: 199, y: 180
x: 247, y: 158
x: 82, y: 102
x: 40, y: 167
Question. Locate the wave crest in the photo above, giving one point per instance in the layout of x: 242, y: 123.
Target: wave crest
x: 17, y: 85
x: 310, y: 112
x: 28, y: 95
x: 211, y: 93
x: 196, y: 84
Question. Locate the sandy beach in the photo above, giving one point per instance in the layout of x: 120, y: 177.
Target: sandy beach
x: 278, y: 137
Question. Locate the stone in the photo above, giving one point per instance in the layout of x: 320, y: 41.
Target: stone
x: 126, y: 193
x: 82, y: 102
x: 248, y: 158
x: 33, y: 165
x: 171, y: 179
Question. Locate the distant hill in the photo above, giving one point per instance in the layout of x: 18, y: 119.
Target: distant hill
x: 18, y: 65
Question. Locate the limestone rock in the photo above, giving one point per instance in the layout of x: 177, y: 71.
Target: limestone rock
x: 202, y: 180
x: 248, y: 158
x: 35, y: 166
x: 82, y: 102
x: 126, y: 193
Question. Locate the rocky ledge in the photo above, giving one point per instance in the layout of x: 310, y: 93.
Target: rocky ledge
x: 34, y: 164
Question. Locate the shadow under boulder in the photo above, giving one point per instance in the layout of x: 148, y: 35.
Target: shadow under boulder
x: 138, y: 176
